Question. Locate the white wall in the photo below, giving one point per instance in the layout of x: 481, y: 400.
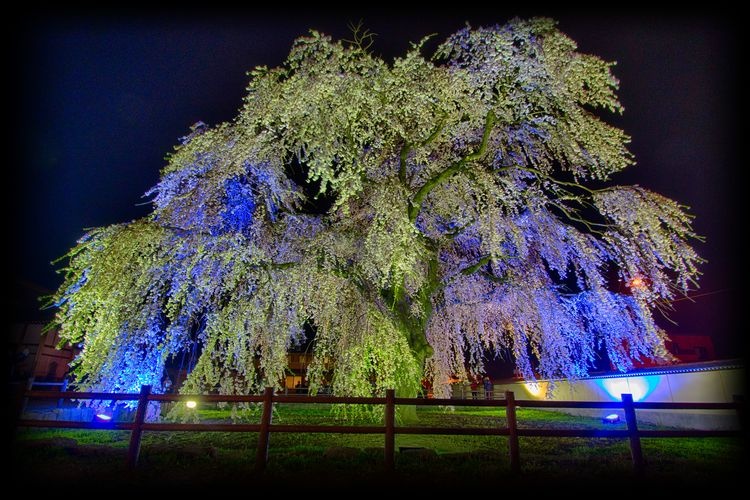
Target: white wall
x: 717, y: 385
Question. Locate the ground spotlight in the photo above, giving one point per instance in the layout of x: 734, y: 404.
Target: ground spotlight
x: 612, y: 418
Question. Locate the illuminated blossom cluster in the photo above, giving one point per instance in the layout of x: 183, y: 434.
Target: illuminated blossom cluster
x: 461, y: 221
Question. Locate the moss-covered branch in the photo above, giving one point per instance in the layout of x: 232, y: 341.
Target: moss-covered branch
x: 476, y: 267
x: 415, y: 205
x: 406, y: 148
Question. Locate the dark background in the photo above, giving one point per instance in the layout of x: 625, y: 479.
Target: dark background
x: 99, y: 99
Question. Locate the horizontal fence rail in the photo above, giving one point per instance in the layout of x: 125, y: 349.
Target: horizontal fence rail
x: 266, y: 427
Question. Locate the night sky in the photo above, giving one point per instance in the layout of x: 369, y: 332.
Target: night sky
x: 100, y: 100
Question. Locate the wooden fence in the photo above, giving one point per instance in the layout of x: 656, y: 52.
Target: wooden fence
x: 389, y: 429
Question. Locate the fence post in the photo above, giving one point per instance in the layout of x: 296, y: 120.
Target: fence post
x: 15, y: 411
x: 739, y: 400
x: 635, y: 439
x: 134, y: 449
x: 261, y: 455
x: 390, y: 429
x: 25, y: 399
x: 510, y: 414
x: 63, y: 388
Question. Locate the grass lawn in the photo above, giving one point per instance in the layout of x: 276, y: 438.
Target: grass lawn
x: 195, y: 459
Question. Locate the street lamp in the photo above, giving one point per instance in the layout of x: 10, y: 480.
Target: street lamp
x: 636, y: 283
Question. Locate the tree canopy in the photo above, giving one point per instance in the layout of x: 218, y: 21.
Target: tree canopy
x: 421, y: 215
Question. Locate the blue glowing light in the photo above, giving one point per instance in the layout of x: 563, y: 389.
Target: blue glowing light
x: 639, y: 387
x: 612, y: 418
x: 103, y: 417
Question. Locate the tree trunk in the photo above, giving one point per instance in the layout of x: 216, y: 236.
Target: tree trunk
x: 408, y: 413
x: 421, y: 350
x: 414, y: 328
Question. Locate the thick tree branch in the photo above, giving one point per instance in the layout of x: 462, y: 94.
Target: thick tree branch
x: 281, y: 265
x: 438, y: 128
x: 457, y: 231
x: 415, y: 204
x: 467, y: 271
x: 475, y: 267
x: 491, y: 276
x: 407, y: 148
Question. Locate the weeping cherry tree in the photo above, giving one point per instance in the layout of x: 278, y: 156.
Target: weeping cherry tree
x: 422, y: 216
